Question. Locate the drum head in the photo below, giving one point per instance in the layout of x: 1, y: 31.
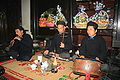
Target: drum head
x: 82, y: 66
x: 88, y: 59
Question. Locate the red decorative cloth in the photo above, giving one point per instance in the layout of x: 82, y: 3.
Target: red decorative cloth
x: 98, y: 78
x: 87, y: 77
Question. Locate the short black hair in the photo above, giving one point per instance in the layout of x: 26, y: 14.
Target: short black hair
x: 95, y: 25
x: 19, y: 27
x: 60, y: 23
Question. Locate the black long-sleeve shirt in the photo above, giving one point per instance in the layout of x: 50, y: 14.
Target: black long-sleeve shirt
x: 92, y: 48
x: 55, y: 44
x: 24, y: 46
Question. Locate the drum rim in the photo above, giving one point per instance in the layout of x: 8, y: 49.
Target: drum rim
x: 88, y: 59
x: 83, y: 74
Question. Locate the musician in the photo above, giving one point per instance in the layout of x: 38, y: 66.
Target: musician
x: 93, y: 46
x: 21, y: 45
x: 61, y: 43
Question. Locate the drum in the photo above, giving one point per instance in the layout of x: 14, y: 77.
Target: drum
x: 82, y: 66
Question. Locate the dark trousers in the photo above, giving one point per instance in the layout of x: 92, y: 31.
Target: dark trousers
x: 13, y: 53
x: 65, y: 55
x: 16, y: 56
x: 2, y: 70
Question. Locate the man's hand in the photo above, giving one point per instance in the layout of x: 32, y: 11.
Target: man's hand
x: 82, y: 56
x: 18, y: 38
x: 12, y: 42
x: 57, y: 55
x: 46, y: 52
x: 97, y: 58
x: 62, y: 45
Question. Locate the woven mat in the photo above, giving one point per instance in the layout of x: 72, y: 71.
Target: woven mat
x: 22, y: 71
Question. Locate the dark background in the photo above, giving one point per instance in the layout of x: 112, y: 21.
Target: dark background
x: 10, y: 14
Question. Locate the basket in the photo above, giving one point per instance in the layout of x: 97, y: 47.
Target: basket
x: 50, y: 24
x: 80, y: 25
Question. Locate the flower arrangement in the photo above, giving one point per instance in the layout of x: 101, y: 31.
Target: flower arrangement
x: 59, y: 16
x: 47, y: 19
x: 101, y: 17
x: 81, y: 18
x: 42, y: 21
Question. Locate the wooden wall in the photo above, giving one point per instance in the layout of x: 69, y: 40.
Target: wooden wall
x: 12, y: 16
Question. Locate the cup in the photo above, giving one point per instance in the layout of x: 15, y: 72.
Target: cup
x: 33, y: 66
x: 40, y: 57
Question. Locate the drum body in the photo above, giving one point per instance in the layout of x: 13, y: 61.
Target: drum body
x: 82, y: 66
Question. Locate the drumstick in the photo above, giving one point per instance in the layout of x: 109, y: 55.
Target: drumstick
x: 78, y: 55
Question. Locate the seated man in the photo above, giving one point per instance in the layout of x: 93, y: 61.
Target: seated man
x: 21, y: 45
x: 61, y: 42
x: 93, y: 46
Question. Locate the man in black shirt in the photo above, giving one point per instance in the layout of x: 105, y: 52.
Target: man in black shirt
x: 21, y: 45
x: 61, y: 43
x: 93, y: 46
